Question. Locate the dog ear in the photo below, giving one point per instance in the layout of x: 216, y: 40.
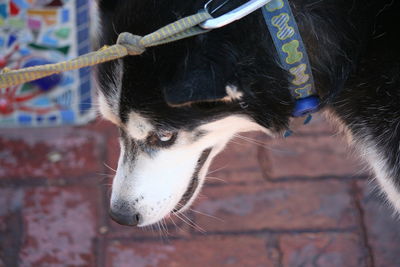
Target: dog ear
x: 201, y: 86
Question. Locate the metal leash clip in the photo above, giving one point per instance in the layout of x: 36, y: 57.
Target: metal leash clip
x: 233, y: 15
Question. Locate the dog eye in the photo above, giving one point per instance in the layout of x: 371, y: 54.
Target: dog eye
x: 161, y: 139
x: 165, y: 136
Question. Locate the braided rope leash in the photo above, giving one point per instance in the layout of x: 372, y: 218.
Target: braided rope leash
x: 127, y: 44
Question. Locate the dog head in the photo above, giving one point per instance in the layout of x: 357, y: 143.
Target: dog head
x: 177, y: 105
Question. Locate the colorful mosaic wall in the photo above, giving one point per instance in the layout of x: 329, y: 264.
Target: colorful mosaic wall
x: 36, y: 32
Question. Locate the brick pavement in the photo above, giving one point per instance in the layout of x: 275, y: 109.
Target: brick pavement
x: 304, y: 201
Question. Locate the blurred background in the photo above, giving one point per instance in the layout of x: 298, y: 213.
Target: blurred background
x: 300, y: 201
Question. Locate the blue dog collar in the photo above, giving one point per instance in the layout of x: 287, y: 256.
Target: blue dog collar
x: 292, y: 55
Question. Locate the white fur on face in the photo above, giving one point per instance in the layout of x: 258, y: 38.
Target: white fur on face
x: 138, y: 127
x: 233, y: 94
x: 106, y: 111
x: 153, y: 185
x: 109, y: 106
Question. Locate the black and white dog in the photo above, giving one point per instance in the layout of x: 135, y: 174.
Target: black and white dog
x: 177, y: 105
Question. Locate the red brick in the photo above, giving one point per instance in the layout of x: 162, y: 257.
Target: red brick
x: 323, y: 249
x: 50, y: 153
x: 240, y: 153
x: 228, y: 176
x: 237, y: 160
x: 110, y: 132
x: 57, y: 225
x: 308, y: 156
x: 382, y: 227
x: 11, y: 202
x: 295, y: 205
x: 210, y: 251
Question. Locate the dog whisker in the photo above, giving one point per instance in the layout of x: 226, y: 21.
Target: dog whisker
x: 208, y: 215
x: 164, y: 223
x: 149, y: 228
x: 216, y: 178
x: 104, y: 178
x: 162, y: 232
x: 109, y: 189
x: 196, y: 226
x: 190, y: 223
x: 162, y: 227
x: 218, y: 169
x: 159, y: 229
x: 236, y: 143
x: 105, y: 164
x: 251, y: 141
x: 107, y: 184
x: 201, y: 195
x: 176, y: 226
x: 105, y: 175
x: 260, y: 144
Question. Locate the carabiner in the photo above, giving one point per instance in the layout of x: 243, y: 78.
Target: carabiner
x: 233, y: 15
x: 207, y: 8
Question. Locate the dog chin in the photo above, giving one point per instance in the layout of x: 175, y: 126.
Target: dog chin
x: 193, y: 189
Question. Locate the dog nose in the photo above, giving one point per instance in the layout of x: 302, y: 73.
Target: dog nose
x: 125, y: 218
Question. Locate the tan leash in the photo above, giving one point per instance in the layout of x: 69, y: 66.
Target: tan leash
x: 127, y: 44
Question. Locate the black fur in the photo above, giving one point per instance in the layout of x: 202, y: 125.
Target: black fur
x: 369, y: 104
x: 351, y: 44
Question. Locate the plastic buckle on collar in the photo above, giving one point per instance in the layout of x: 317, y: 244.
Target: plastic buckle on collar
x: 233, y: 15
x: 306, y: 106
x: 303, y: 109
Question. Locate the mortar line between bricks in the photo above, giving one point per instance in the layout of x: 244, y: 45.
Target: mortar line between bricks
x: 86, y: 180
x: 361, y: 217
x: 282, y: 231
x: 239, y: 233
x: 308, y: 179
x: 341, y: 178
x: 28, y: 182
